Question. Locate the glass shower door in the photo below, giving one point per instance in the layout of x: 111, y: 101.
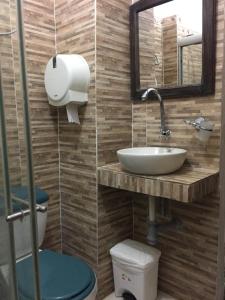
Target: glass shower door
x: 8, y: 286
x: 18, y: 217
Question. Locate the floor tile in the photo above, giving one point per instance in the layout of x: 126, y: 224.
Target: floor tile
x: 161, y: 296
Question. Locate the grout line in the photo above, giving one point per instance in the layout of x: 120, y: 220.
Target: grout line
x: 55, y: 26
x: 96, y: 137
x: 132, y: 115
x: 132, y: 125
x: 132, y: 144
x: 60, y: 195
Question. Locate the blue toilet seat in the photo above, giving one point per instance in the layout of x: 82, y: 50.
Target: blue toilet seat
x: 62, y: 277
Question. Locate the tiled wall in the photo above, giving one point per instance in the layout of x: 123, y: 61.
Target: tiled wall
x: 170, y: 51
x: 8, y: 90
x: 173, y: 30
x: 78, y: 225
x: 92, y: 215
x: 40, y: 44
x: 95, y: 218
x: 75, y: 28
x: 113, y: 128
x: 191, y: 58
x: 150, y: 50
x: 188, y: 264
x: 111, y: 208
x: 159, y: 53
x: 192, y: 64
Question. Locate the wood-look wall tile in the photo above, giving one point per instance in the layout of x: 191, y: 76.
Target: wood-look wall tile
x: 114, y: 120
x: 187, y: 271
x: 110, y: 121
x: 75, y: 27
x: 40, y: 46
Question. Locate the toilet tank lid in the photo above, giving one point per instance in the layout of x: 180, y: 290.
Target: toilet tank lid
x: 22, y: 193
x: 135, y: 254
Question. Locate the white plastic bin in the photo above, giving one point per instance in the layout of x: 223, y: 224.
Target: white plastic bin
x: 135, y: 269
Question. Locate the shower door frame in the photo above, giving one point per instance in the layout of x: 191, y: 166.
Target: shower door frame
x: 11, y: 217
x: 7, y: 195
x: 28, y: 139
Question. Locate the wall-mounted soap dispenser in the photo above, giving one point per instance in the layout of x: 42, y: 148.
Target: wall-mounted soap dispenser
x: 204, y: 128
x: 67, y: 78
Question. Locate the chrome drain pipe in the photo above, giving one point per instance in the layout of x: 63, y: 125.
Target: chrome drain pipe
x: 155, y: 227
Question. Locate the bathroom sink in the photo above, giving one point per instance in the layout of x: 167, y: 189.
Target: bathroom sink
x: 151, y: 160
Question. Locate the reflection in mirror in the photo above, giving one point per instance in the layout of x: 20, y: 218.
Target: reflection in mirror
x: 190, y: 59
x: 170, y: 44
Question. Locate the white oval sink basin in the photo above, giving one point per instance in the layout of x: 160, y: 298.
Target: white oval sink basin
x: 152, y: 160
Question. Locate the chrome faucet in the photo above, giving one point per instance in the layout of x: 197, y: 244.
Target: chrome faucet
x: 164, y: 131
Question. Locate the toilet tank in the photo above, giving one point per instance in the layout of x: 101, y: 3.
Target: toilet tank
x: 22, y: 226
x: 22, y: 233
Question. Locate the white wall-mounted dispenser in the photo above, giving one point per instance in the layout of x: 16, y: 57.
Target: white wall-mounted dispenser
x: 67, y: 78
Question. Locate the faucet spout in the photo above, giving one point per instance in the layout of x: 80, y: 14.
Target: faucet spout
x: 164, y: 131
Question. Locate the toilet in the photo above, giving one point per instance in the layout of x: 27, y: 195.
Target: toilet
x: 62, y: 277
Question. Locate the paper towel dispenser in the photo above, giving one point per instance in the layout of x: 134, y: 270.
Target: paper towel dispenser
x: 67, y: 78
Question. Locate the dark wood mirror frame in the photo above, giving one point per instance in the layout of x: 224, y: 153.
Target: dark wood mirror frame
x: 207, y: 86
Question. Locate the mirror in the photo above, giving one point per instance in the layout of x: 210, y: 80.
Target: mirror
x: 171, y: 41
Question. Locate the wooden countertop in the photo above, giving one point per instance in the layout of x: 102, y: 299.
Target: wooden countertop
x: 185, y: 185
